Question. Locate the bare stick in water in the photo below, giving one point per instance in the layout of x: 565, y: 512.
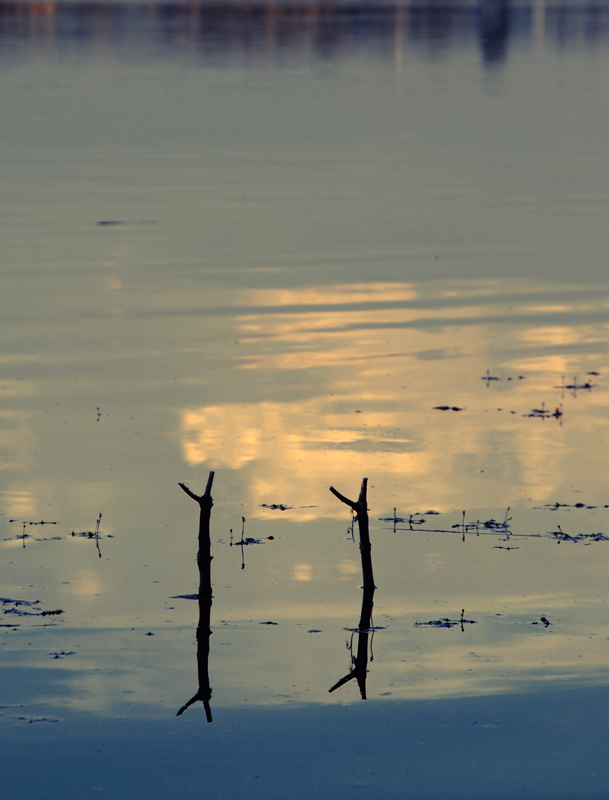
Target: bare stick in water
x: 204, y: 558
x: 360, y: 662
x: 361, y: 510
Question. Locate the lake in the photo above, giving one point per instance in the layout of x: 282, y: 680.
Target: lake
x: 301, y: 246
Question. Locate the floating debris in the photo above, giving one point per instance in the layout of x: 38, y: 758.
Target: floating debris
x: 556, y: 506
x: 586, y: 385
x: 93, y: 535
x: 411, y: 520
x: 447, y: 408
x: 276, y: 507
x: 546, y: 622
x: 493, y: 527
x: 588, y: 538
x: 5, y: 600
x: 4, y: 712
x: 24, y: 535
x: 16, y: 607
x: 544, y: 413
x: 446, y: 623
x: 488, y: 378
x: 492, y: 524
x: 245, y: 540
x: 489, y: 525
x: 20, y: 613
x: 371, y: 629
x: 575, y: 386
x: 415, y: 518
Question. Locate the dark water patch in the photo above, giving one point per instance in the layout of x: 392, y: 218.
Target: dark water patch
x: 114, y: 223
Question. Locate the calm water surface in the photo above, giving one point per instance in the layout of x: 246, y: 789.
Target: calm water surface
x: 300, y: 247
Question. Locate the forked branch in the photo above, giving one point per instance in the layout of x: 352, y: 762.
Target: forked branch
x: 360, y: 506
x: 204, y: 559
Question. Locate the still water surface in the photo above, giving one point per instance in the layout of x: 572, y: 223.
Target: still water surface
x: 300, y: 247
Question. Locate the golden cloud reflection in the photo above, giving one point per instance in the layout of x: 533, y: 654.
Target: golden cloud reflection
x: 113, y: 284
x: 17, y: 388
x: 348, y: 568
x: 298, y: 447
x: 394, y: 391
x: 19, y: 503
x: 330, y: 295
x: 554, y: 336
x: 227, y: 435
x: 302, y: 572
x: 87, y: 583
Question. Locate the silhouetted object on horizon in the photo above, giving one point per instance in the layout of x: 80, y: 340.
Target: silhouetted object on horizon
x: 359, y: 668
x: 204, y: 558
x: 494, y: 30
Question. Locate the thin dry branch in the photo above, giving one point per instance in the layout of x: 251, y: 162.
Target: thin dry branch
x: 361, y: 509
x: 189, y: 493
x: 197, y: 698
x: 342, y: 498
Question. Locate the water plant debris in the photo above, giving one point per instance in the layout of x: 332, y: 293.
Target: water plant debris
x: 447, y: 623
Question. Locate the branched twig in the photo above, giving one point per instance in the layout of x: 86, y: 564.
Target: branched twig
x: 360, y: 662
x: 204, y: 559
x: 360, y: 507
